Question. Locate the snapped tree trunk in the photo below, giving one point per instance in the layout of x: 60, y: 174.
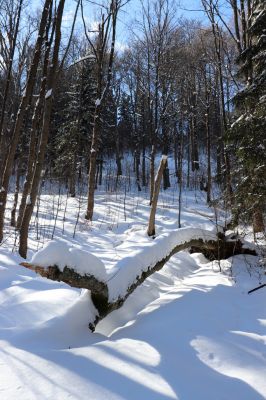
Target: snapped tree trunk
x: 157, y: 183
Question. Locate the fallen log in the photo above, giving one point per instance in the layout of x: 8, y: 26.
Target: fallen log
x: 212, y: 249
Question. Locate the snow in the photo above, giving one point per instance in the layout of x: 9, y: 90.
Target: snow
x: 97, y: 102
x: 49, y: 93
x: 28, y: 200
x: 60, y: 254
x: 147, y: 253
x: 188, y: 332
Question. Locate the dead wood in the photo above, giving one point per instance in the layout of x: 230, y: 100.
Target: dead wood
x: 219, y: 249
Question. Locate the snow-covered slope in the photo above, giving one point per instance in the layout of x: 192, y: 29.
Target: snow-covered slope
x: 188, y: 332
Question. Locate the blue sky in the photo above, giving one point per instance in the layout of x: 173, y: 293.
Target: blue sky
x: 186, y: 8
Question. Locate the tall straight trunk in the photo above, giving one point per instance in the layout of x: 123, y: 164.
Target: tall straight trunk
x: 188, y: 157
x: 7, y: 82
x: 176, y: 152
x: 118, y: 154
x: 51, y: 81
x: 208, y: 145
x: 93, y: 165
x: 194, y: 145
x: 143, y: 164
x: 180, y: 169
x: 258, y: 221
x: 72, y: 178
x: 152, y: 172
x: 151, y: 225
x: 14, y: 208
x: 21, y: 113
x: 37, y: 114
x: 137, y: 167
x: 101, y: 95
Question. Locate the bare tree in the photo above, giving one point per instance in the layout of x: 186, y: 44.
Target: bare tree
x: 51, y: 81
x: 21, y: 113
x: 103, y: 57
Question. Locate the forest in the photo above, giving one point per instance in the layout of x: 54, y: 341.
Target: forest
x: 133, y: 197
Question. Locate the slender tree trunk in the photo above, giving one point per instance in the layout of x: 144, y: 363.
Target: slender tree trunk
x: 101, y: 95
x: 180, y: 170
x: 152, y: 172
x: 176, y: 152
x: 72, y: 178
x: 258, y: 222
x: 208, y: 143
x: 14, y: 208
x: 7, y: 83
x: 93, y: 165
x: 151, y: 225
x: 143, y: 164
x: 51, y: 81
x: 21, y: 113
x: 34, y: 129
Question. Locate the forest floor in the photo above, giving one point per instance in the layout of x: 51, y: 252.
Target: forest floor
x: 189, y: 332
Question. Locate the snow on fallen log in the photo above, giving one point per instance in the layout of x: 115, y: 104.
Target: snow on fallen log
x: 79, y: 268
x: 151, y: 252
x: 59, y: 253
x: 76, y: 267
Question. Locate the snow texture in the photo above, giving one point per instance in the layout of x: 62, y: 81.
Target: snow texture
x: 60, y: 254
x: 49, y: 93
x: 147, y: 254
x: 188, y: 332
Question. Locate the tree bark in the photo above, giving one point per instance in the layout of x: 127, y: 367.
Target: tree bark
x: 20, y: 115
x: 51, y: 80
x: 14, y: 208
x: 8, y: 80
x: 151, y: 226
x: 37, y: 114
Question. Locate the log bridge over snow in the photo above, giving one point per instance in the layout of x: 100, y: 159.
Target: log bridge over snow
x: 214, y: 247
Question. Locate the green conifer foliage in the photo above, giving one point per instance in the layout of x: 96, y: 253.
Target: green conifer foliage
x: 248, y: 132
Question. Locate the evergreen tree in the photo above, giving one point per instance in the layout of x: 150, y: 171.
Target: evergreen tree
x: 74, y: 131
x: 248, y: 131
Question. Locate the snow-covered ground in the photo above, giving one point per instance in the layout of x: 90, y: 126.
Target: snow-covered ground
x: 188, y: 332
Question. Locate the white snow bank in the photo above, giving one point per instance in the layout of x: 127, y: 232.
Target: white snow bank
x: 59, y: 253
x: 147, y: 254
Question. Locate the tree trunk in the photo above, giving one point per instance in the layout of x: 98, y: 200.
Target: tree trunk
x: 151, y: 226
x: 14, y: 208
x: 37, y: 114
x: 208, y: 143
x: 152, y: 172
x: 51, y: 81
x: 21, y: 113
x: 7, y: 82
x: 258, y: 222
x: 93, y: 165
x: 143, y: 174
